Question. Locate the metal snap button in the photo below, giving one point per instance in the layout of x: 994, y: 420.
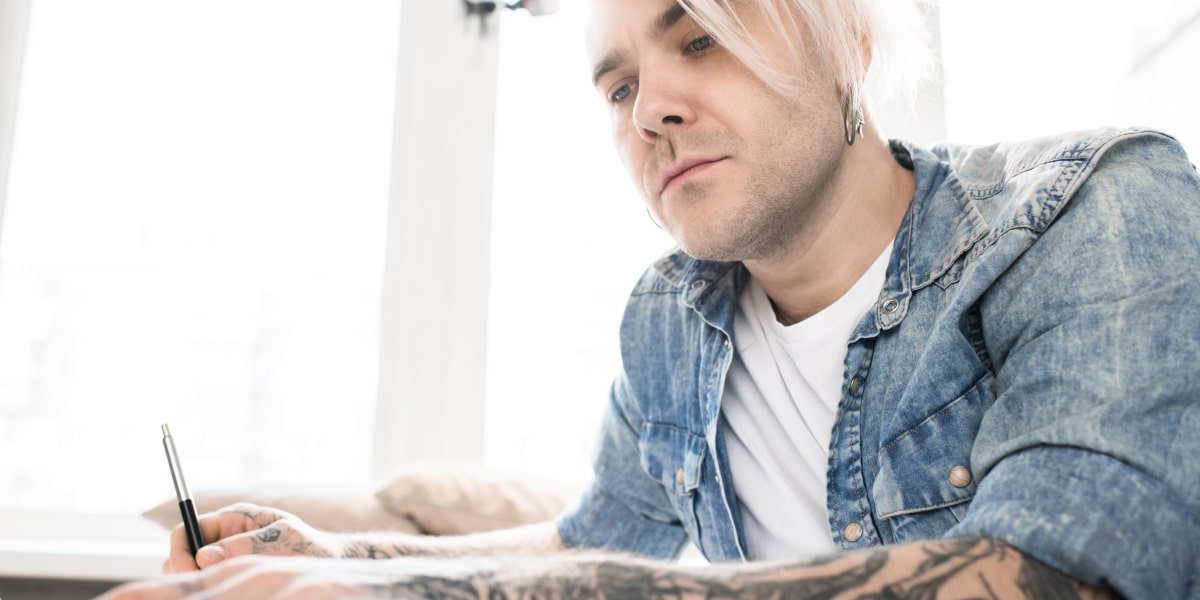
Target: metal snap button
x: 854, y: 386
x: 960, y: 477
x: 853, y: 532
x: 699, y: 283
x: 890, y: 305
x: 679, y: 476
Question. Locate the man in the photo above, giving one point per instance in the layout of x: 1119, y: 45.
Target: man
x: 873, y: 370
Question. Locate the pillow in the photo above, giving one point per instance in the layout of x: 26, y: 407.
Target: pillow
x: 454, y: 499
x: 337, y: 511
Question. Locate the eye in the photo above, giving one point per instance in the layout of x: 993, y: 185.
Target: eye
x: 700, y: 44
x: 621, y: 94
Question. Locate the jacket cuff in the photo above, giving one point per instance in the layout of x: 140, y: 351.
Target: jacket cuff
x: 1092, y: 517
x: 604, y: 522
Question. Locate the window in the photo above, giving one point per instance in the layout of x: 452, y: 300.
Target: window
x: 194, y: 234
x: 1077, y: 64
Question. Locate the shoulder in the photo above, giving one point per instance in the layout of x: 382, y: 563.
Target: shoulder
x: 981, y: 195
x: 981, y: 168
x: 1026, y: 184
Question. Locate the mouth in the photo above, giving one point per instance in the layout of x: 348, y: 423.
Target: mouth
x: 685, y: 170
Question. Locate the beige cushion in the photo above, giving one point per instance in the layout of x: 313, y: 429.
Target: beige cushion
x: 453, y: 499
x: 341, y: 510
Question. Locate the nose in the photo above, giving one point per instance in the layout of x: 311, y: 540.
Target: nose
x: 661, y: 103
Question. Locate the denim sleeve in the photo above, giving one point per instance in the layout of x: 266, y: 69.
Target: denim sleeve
x: 623, y: 509
x: 1089, y: 456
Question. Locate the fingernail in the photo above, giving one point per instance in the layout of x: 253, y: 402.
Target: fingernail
x: 212, y: 554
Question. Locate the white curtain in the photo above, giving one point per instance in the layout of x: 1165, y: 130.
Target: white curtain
x: 14, y: 21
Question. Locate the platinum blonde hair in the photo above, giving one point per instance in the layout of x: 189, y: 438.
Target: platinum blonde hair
x: 891, y: 30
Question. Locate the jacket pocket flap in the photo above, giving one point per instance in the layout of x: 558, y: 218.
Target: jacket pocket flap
x: 672, y: 456
x: 929, y: 466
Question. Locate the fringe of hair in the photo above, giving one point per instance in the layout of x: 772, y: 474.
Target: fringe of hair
x: 900, y: 55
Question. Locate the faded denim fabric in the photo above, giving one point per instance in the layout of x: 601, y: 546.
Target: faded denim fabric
x: 1039, y: 325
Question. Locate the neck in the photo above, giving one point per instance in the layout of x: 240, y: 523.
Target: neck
x: 863, y: 209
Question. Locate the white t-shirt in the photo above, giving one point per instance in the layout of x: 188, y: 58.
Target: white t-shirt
x: 781, y: 397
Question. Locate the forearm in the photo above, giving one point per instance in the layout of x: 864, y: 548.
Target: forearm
x: 539, y: 539
x: 933, y: 569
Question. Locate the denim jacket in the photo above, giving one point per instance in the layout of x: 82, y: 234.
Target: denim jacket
x: 1030, y: 373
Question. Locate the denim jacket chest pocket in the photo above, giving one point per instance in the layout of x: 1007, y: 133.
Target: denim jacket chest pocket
x: 674, y: 458
x: 924, y: 481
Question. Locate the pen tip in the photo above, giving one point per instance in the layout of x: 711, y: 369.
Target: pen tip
x: 165, y: 430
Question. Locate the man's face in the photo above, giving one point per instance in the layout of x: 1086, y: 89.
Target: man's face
x: 731, y: 168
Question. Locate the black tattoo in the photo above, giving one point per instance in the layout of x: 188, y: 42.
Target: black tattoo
x: 419, y: 546
x: 280, y: 535
x: 1037, y: 580
x: 368, y: 550
x: 270, y: 535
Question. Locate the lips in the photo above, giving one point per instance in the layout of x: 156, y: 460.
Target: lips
x: 684, y: 169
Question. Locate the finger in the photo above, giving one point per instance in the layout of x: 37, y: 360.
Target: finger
x: 288, y: 536
x: 212, y: 554
x: 179, y: 560
x: 276, y: 539
x: 215, y: 526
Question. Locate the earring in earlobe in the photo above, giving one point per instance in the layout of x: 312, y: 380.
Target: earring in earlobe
x: 652, y: 219
x: 852, y: 115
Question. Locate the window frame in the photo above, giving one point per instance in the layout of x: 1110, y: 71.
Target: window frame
x: 14, y: 26
x: 431, y: 382
x: 433, y: 338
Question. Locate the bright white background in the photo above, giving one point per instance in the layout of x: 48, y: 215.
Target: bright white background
x: 194, y: 235
x: 1025, y: 68
x: 195, y: 226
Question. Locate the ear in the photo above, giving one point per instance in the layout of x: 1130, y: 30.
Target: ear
x: 866, y: 52
x: 867, y: 49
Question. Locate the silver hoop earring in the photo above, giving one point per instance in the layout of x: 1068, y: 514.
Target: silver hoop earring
x: 652, y: 219
x: 852, y: 115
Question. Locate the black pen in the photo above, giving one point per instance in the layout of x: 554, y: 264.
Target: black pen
x: 187, y: 508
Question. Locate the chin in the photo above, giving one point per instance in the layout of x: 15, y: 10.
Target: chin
x: 708, y: 252
x: 700, y: 239
x: 736, y: 248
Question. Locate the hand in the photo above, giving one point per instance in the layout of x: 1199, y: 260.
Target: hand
x: 243, y: 529
x: 266, y: 578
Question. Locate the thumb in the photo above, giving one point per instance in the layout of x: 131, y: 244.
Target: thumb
x: 211, y: 555
x: 249, y: 542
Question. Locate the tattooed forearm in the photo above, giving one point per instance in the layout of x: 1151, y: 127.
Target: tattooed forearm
x: 537, y: 539
x: 1037, y: 580
x: 383, y: 546
x: 949, y: 568
x: 373, y: 550
x: 960, y: 568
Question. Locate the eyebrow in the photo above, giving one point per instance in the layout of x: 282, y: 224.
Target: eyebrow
x: 609, y: 63
x: 665, y: 20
